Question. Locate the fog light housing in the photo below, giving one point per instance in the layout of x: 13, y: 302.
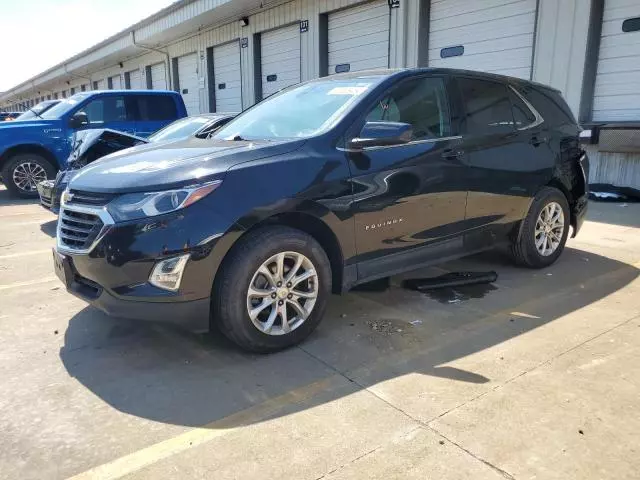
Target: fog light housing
x: 167, y: 274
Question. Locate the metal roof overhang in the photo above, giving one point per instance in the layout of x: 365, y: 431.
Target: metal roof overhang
x: 176, y: 21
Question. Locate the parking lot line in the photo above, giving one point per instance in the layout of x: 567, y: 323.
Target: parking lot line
x: 144, y: 457
x: 26, y: 284
x: 23, y: 254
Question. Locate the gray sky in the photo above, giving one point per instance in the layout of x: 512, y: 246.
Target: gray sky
x: 38, y: 34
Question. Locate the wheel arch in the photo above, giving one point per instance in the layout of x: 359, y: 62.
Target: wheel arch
x: 28, y: 148
x: 309, y: 224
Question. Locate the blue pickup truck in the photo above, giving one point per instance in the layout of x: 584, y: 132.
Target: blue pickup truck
x: 34, y: 150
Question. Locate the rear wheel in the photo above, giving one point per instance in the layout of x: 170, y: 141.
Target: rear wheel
x: 22, y: 173
x: 272, y: 289
x: 544, y: 231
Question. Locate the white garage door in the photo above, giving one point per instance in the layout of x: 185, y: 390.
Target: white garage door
x: 359, y: 38
x: 158, y: 77
x: 490, y: 35
x: 116, y: 84
x: 280, y: 59
x: 226, y: 78
x: 100, y: 85
x: 188, y: 82
x: 617, y: 89
x: 135, y: 82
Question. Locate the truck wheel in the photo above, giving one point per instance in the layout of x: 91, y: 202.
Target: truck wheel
x: 272, y: 290
x: 22, y: 173
x: 544, y: 231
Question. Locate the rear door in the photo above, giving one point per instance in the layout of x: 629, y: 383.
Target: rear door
x: 153, y: 112
x: 408, y: 196
x: 503, y: 165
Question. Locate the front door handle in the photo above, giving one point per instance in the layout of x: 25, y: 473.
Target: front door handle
x: 451, y: 154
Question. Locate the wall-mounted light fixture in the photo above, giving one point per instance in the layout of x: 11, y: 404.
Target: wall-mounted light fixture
x: 244, y: 21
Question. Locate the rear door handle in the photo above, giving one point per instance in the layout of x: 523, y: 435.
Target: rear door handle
x: 452, y: 154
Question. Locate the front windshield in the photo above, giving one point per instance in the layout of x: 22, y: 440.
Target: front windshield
x: 298, y: 112
x: 64, y: 106
x: 183, y: 128
x: 36, y: 111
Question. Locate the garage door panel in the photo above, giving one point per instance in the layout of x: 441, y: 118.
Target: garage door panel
x: 616, y: 94
x: 480, y: 16
x: 497, y: 35
x: 359, y: 37
x: 359, y: 18
x: 280, y: 59
x: 158, y: 77
x: 339, y: 43
x: 497, y: 45
x: 500, y: 28
x: 135, y: 81
x: 489, y: 62
x: 226, y: 72
x: 188, y: 81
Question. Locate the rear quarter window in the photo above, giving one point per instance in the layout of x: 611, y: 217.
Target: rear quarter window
x: 549, y: 104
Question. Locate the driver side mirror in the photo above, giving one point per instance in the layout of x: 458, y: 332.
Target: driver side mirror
x: 382, y: 134
x: 79, y: 120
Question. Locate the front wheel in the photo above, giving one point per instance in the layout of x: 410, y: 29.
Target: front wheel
x: 22, y: 173
x: 544, y: 231
x: 272, y: 289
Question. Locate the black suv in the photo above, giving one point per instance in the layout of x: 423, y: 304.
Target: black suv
x: 325, y: 185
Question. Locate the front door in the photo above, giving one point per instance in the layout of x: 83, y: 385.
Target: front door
x: 108, y: 111
x: 408, y: 202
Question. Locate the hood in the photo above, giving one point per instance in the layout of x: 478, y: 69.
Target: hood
x: 37, y: 123
x: 162, y: 166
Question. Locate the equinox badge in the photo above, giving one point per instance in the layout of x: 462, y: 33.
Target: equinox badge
x: 386, y: 223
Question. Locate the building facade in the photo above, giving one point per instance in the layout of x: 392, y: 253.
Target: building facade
x: 224, y: 55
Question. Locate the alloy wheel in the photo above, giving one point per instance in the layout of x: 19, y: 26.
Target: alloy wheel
x: 549, y: 229
x: 282, y: 293
x: 27, y: 175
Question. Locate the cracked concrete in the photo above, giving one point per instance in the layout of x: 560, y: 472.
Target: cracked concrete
x: 538, y: 378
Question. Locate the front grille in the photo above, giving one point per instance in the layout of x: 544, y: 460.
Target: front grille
x: 77, y: 230
x: 79, y: 197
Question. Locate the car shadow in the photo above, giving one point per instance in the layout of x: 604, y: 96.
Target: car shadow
x: 171, y: 376
x: 49, y: 228
x: 6, y: 199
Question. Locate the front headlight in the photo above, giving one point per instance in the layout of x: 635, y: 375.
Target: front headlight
x: 140, y: 205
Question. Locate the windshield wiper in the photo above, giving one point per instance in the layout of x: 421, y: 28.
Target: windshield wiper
x: 238, y: 138
x: 30, y: 109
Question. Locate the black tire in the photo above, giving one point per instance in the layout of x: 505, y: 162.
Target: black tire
x: 524, y: 249
x: 229, y: 299
x: 22, y: 158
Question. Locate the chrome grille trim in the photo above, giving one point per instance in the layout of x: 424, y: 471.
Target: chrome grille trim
x: 83, y: 224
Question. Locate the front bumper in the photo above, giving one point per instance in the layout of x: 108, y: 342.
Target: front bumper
x: 114, y: 275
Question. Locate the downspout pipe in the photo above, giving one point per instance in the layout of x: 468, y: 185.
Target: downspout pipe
x: 166, y: 54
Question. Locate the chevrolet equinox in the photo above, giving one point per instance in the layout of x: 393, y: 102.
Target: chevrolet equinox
x: 325, y: 185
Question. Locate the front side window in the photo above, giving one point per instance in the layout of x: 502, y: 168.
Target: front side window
x: 105, y: 109
x: 487, y: 107
x: 300, y: 111
x: 421, y: 102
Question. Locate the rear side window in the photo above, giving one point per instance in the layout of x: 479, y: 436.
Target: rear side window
x: 549, y: 104
x: 522, y: 115
x: 156, y: 107
x: 106, y: 109
x: 487, y: 107
x: 421, y: 102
